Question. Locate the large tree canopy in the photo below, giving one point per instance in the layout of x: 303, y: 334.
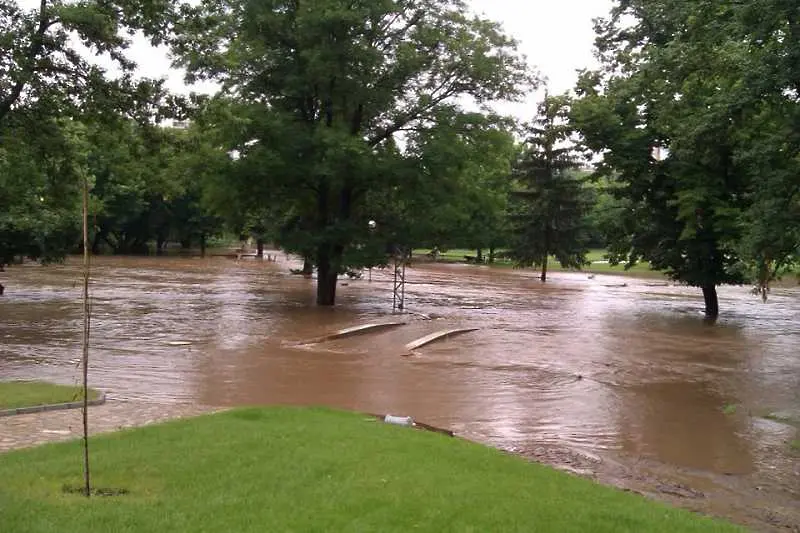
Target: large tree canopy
x: 148, y: 186
x: 43, y: 72
x: 47, y: 84
x: 456, y: 190
x: 327, y: 88
x: 40, y: 177
x: 695, y: 111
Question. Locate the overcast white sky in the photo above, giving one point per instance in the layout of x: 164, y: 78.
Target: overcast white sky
x: 555, y: 35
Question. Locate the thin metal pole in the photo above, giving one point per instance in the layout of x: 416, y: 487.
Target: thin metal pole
x: 86, y: 325
x: 403, y: 288
x: 394, y: 287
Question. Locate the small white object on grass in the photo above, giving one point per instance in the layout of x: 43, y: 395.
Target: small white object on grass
x: 399, y: 420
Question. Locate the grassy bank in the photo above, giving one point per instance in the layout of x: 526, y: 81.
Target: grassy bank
x: 595, y: 257
x: 287, y: 469
x: 15, y: 394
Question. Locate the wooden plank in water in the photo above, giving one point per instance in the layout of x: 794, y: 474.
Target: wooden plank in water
x: 353, y: 331
x: 434, y: 337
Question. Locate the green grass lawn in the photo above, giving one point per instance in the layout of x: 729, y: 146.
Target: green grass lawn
x: 14, y: 394
x: 291, y: 469
x: 639, y: 270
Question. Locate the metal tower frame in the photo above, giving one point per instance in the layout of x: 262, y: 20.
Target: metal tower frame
x: 399, y: 285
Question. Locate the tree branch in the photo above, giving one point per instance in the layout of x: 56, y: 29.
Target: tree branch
x: 404, y: 119
x: 37, y: 43
x: 400, y: 33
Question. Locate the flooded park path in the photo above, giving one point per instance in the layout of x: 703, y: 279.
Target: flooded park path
x: 618, y: 379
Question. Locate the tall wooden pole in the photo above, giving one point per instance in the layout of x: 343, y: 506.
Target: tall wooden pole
x: 86, y: 316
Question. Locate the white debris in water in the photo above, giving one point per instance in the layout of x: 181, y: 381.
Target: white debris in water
x: 179, y: 343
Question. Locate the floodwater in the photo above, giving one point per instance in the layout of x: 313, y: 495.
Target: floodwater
x: 626, y: 384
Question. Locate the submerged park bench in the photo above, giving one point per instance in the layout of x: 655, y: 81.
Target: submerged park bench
x: 434, y: 337
x: 352, y: 332
x: 408, y: 349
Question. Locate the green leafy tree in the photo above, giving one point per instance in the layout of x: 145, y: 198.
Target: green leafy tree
x: 550, y: 218
x: 187, y: 162
x: 768, y: 144
x: 46, y: 88
x: 149, y: 187
x: 692, y: 111
x: 455, y: 188
x: 236, y: 173
x: 121, y: 162
x: 486, y: 191
x: 325, y: 87
x: 607, y: 211
x: 39, y: 184
x: 43, y: 74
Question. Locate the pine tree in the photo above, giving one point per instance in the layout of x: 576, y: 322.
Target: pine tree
x: 551, y: 207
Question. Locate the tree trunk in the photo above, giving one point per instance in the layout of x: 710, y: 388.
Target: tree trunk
x: 308, y: 267
x: 491, y: 255
x: 98, y: 236
x: 544, y: 269
x: 327, y: 276
x: 260, y: 249
x: 712, y: 303
x: 479, y: 255
x: 203, y: 245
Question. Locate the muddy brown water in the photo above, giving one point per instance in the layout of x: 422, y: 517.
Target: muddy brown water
x: 626, y: 384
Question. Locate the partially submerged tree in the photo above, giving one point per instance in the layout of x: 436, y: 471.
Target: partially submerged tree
x: 692, y: 111
x: 326, y: 86
x: 550, y: 215
x: 768, y: 143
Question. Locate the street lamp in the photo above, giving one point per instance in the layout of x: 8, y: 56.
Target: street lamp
x: 372, y: 225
